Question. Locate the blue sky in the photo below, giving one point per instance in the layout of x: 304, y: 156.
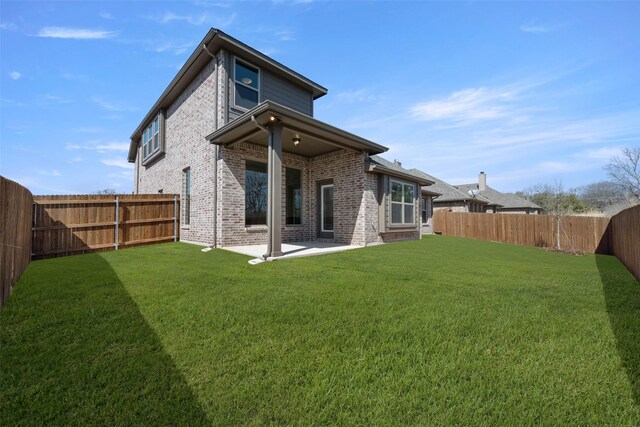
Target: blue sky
x: 528, y: 92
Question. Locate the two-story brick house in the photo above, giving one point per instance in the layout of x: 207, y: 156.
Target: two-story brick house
x: 234, y: 134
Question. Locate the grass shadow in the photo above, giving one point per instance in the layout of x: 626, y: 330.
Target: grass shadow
x: 622, y: 296
x: 76, y: 350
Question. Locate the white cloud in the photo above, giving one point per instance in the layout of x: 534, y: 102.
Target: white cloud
x: 106, y: 15
x: 73, y: 76
x: 168, y: 17
x: 9, y: 26
x: 269, y: 51
x: 75, y: 33
x: 530, y: 28
x: 285, y: 35
x: 359, y: 95
x: 194, y: 19
x: 56, y: 99
x: 467, y: 105
x: 117, y: 162
x: 604, y: 153
x: 112, y: 106
x: 15, y: 75
x: 100, y: 147
x: 173, y: 47
x: 121, y: 175
x: 292, y: 2
x: 53, y: 172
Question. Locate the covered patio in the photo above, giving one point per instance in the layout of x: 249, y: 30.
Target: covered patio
x: 282, y: 130
x: 291, y: 250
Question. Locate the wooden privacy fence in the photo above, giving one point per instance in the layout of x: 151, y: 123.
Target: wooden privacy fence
x: 569, y: 233
x: 15, y: 234
x: 65, y: 225
x: 625, y: 238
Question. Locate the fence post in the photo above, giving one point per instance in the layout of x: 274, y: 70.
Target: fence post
x: 558, y: 236
x: 175, y: 219
x: 33, y: 226
x: 116, y: 223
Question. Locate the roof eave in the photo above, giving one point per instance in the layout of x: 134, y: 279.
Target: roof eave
x: 395, y: 173
x: 285, y: 114
x: 227, y: 41
x: 430, y: 193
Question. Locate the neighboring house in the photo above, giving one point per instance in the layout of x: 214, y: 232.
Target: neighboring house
x: 451, y: 199
x: 426, y: 192
x: 505, y: 202
x: 234, y: 134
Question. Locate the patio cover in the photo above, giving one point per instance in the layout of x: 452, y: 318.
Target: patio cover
x: 275, y: 126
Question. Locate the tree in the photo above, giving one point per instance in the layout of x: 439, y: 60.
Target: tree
x: 624, y: 169
x: 600, y: 195
x: 554, y: 200
x: 106, y: 191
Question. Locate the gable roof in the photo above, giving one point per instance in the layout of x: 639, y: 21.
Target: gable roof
x: 214, y: 41
x: 507, y: 200
x: 448, y: 193
x: 382, y: 165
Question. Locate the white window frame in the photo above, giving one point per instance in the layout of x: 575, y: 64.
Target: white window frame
x: 403, y: 203
x: 301, y: 199
x: 185, y: 202
x: 424, y: 208
x: 322, y: 187
x: 151, y: 139
x: 236, y: 60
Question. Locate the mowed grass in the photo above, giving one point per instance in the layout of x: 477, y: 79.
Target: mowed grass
x: 433, y: 332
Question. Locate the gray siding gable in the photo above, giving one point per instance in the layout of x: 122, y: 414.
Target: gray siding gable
x: 277, y: 89
x: 272, y: 88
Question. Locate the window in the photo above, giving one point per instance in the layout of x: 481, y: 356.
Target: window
x: 247, y: 90
x: 186, y: 197
x: 152, y: 138
x: 293, y: 180
x: 255, y: 193
x: 402, y: 203
x: 425, y: 210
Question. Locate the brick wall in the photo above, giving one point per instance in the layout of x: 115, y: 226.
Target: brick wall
x: 199, y: 109
x: 189, y: 119
x: 351, y: 201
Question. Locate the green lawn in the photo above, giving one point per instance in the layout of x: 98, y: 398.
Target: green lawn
x: 437, y: 331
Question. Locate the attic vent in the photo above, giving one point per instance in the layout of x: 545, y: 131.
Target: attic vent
x: 397, y: 163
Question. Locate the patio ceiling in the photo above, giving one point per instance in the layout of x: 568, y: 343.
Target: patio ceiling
x: 316, y: 137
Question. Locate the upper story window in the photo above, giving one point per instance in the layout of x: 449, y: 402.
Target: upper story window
x: 402, y: 203
x: 247, y: 85
x: 153, y: 138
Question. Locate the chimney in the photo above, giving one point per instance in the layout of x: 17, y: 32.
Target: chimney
x: 397, y: 163
x: 482, y: 181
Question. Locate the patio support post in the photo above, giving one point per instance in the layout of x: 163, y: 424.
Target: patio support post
x: 274, y: 192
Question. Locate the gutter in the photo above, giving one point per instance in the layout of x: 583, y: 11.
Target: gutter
x: 398, y: 174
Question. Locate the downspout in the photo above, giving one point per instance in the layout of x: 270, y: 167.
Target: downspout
x: 215, y: 155
x: 255, y: 122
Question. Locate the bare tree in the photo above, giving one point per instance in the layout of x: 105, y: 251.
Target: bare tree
x: 553, y: 199
x: 255, y: 196
x: 600, y: 195
x: 106, y: 191
x: 624, y: 169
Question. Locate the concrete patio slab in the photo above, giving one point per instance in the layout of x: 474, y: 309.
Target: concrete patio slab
x: 290, y: 250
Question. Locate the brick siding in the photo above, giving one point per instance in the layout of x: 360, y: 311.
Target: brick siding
x: 193, y: 116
